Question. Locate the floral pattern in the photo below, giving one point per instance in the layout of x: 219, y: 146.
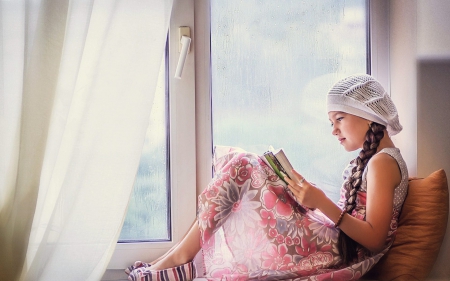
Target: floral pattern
x: 252, y: 229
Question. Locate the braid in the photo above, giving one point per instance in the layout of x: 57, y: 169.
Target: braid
x: 348, y: 247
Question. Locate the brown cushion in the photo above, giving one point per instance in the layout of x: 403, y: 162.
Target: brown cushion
x: 421, y: 229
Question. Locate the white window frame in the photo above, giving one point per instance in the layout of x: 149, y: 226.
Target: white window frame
x: 182, y: 147
x: 379, y: 41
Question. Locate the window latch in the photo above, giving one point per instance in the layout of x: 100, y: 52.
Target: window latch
x: 184, y: 48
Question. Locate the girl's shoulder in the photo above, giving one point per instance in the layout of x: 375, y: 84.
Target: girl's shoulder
x: 394, y: 152
x: 383, y: 157
x: 391, y: 155
x: 387, y: 163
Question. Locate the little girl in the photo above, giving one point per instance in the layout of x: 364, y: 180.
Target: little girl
x: 249, y: 227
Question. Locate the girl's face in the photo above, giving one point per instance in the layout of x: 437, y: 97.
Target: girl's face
x: 349, y: 129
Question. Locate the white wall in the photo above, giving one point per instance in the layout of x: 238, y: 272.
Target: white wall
x: 433, y: 24
x: 420, y: 86
x: 433, y: 100
x: 403, y: 41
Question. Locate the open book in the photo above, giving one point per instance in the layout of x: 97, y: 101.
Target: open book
x: 283, y: 168
x: 280, y: 163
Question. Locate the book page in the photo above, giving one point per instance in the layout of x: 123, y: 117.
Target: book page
x: 285, y: 163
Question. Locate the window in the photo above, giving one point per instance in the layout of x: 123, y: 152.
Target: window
x: 201, y: 90
x: 148, y: 215
x: 250, y: 56
x: 271, y: 67
x: 163, y: 218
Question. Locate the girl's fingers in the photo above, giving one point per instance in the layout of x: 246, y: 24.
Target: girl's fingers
x: 297, y: 176
x: 289, y: 181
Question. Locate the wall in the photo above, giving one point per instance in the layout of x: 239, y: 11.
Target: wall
x: 434, y: 132
x: 433, y: 98
x: 420, y: 84
x: 402, y: 55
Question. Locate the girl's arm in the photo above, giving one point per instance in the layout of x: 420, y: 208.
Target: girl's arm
x: 382, y: 177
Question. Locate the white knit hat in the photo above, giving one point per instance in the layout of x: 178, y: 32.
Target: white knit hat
x: 363, y: 96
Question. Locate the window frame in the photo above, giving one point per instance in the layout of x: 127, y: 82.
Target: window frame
x: 182, y: 160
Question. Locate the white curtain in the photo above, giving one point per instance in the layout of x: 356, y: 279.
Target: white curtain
x: 77, y: 80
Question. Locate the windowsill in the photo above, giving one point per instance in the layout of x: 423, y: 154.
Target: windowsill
x: 120, y: 275
x: 114, y: 275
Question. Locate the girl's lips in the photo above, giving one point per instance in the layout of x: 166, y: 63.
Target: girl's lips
x: 341, y: 140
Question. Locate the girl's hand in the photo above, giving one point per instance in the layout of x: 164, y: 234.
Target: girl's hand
x: 306, y: 193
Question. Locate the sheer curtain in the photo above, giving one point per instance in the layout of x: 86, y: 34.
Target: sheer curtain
x: 77, y: 80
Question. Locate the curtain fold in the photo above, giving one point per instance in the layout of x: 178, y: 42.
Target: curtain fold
x: 73, y: 117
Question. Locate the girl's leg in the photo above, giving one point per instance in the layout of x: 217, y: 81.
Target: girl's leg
x: 138, y: 264
x: 183, y: 252
x: 166, y: 253
x: 174, y: 246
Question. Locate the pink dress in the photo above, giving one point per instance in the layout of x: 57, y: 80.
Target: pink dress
x: 252, y: 229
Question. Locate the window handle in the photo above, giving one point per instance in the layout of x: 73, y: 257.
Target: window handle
x: 185, y: 42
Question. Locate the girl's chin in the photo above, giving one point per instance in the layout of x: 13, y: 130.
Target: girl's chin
x: 350, y: 148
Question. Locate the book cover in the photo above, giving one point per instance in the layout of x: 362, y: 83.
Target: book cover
x: 281, y: 165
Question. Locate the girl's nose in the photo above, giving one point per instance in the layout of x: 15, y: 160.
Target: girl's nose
x: 334, y: 131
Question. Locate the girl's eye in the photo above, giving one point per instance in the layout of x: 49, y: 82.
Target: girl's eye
x: 337, y: 119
